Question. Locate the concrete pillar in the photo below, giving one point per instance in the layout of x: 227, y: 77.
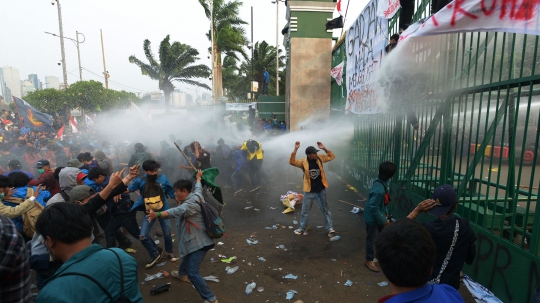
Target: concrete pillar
x: 309, y: 49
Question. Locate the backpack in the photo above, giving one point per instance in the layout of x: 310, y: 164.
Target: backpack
x: 387, y: 197
x: 29, y: 217
x: 215, y: 228
x: 153, y: 196
x: 122, y: 299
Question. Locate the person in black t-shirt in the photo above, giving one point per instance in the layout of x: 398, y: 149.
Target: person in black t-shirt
x: 203, y: 156
x: 315, y: 184
x: 443, y: 230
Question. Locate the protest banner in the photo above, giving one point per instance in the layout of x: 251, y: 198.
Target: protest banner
x: 365, y: 44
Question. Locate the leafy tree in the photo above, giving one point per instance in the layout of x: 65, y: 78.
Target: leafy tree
x: 264, y: 55
x: 229, y: 35
x: 175, y: 64
x: 89, y: 96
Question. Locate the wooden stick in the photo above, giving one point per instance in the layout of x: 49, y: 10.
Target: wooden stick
x: 185, y: 156
x: 348, y: 203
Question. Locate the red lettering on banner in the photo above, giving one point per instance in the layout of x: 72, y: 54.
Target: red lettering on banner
x: 504, y: 7
x: 432, y: 18
x: 527, y: 10
x: 458, y: 8
x: 489, y: 11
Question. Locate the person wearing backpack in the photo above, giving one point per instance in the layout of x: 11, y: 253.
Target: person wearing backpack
x: 89, y: 272
x: 154, y: 189
x: 376, y: 210
x: 193, y: 241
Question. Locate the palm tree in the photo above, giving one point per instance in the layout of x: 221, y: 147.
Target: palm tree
x: 229, y: 35
x: 264, y: 55
x: 175, y: 64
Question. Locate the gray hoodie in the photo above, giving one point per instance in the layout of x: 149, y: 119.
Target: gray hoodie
x: 68, y: 180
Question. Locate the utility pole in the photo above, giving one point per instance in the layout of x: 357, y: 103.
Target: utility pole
x: 252, y: 47
x: 105, y: 72
x: 64, y: 69
x: 214, y: 88
x: 277, y: 47
x: 79, y: 53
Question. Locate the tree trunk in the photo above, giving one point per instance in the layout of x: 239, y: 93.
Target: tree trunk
x: 167, y: 99
x: 218, y: 82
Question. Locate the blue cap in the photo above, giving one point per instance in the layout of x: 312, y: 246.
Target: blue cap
x: 445, y: 196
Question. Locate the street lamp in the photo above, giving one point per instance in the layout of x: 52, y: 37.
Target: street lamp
x: 61, y: 41
x: 277, y: 44
x: 77, y: 42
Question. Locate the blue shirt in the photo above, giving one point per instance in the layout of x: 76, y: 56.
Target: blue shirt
x: 266, y: 76
x: 428, y: 293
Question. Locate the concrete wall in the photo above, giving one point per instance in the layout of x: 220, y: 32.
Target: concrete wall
x: 309, y: 81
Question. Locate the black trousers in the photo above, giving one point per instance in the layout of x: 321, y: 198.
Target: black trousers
x: 128, y: 221
x: 103, y: 221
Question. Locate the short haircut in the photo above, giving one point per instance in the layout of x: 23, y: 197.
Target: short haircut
x: 183, y: 185
x: 65, y: 222
x: 87, y: 156
x: 406, y: 253
x: 387, y: 170
x: 395, y: 37
x: 80, y: 157
x: 18, y: 179
x: 4, y: 181
x: 95, y: 172
x: 151, y: 165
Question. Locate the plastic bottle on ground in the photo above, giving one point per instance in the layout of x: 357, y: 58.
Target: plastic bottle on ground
x: 250, y: 287
x: 335, y: 238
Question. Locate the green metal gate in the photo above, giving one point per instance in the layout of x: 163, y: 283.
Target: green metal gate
x: 480, y: 135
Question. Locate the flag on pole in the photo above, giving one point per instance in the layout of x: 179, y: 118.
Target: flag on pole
x: 73, y: 123
x: 60, y: 133
x: 33, y: 118
x: 88, y: 120
x: 207, y: 180
x: 338, y: 7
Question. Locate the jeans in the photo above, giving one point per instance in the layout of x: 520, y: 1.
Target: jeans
x: 255, y: 166
x: 238, y: 178
x: 372, y: 232
x: 128, y: 221
x: 323, y: 206
x: 265, y: 88
x: 190, y: 266
x: 147, y: 241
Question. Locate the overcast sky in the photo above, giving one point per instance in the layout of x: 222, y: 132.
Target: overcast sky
x: 125, y: 24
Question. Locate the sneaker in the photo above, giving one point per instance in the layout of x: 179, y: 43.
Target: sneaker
x: 176, y: 275
x: 255, y: 188
x: 331, y: 233
x: 238, y: 191
x: 172, y: 257
x: 299, y: 232
x: 371, y: 266
x: 153, y: 260
x: 206, y: 301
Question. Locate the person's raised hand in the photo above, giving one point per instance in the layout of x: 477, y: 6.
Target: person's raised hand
x: 11, y: 190
x: 116, y: 178
x: 134, y: 171
x: 199, y: 174
x: 321, y: 146
x: 425, y: 205
x: 39, y: 188
x: 297, y: 145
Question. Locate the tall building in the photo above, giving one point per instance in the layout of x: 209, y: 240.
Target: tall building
x: 27, y: 87
x: 178, y: 99
x: 52, y: 82
x: 10, y: 83
x: 35, y: 81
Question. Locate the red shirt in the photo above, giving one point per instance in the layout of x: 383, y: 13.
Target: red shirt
x: 47, y: 179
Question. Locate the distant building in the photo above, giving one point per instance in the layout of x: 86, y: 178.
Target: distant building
x: 156, y: 96
x: 52, y: 82
x: 189, y: 98
x: 35, y: 81
x: 27, y: 87
x: 206, y: 97
x: 10, y: 83
x: 178, y: 99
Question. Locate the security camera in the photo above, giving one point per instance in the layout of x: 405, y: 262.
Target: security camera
x: 52, y: 2
x: 208, y: 56
x: 210, y: 78
x: 250, y: 45
x: 59, y: 62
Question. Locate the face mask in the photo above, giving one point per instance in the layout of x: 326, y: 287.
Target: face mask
x: 152, y: 178
x: 40, y: 170
x: 2, y: 195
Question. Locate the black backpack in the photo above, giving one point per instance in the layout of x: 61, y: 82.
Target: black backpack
x: 153, y: 195
x: 122, y: 299
x: 215, y: 228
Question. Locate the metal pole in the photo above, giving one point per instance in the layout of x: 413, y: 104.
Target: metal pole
x: 79, y: 55
x: 105, y: 73
x: 252, y: 47
x: 64, y: 69
x: 277, y: 47
x: 214, y: 93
